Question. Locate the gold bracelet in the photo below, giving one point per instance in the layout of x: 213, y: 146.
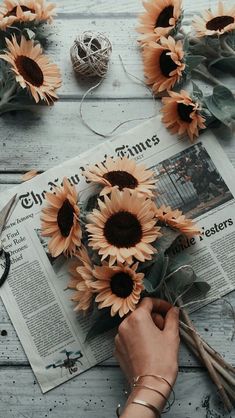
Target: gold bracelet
x: 156, y: 376
x: 137, y: 385
x: 148, y: 405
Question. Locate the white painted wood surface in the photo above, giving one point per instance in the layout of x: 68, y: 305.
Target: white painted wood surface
x: 37, y: 141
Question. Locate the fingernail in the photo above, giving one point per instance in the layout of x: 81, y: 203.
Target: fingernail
x: 177, y: 311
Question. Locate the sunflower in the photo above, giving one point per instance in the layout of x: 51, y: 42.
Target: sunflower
x: 123, y: 228
x: 119, y: 287
x: 181, y: 114
x: 13, y: 11
x: 81, y: 280
x: 60, y: 220
x: 215, y: 23
x: 32, y: 69
x: 160, y: 18
x: 122, y: 173
x: 176, y: 220
x: 163, y: 63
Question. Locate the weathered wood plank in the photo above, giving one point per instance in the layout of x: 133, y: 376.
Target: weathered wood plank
x: 124, y: 40
x: 97, y: 393
x: 38, y: 140
x: 215, y: 323
x: 102, y: 7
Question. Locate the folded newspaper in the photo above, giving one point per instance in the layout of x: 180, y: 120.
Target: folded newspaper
x: 197, y: 179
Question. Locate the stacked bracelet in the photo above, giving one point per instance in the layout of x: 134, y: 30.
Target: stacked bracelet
x: 148, y: 405
x: 158, y: 377
x: 136, y: 385
x: 153, y: 408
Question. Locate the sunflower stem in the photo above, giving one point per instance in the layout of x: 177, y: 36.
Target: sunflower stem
x: 206, y: 360
x: 225, y: 46
x: 227, y: 380
x: 205, y: 75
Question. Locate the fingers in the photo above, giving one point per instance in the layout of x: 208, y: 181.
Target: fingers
x: 172, y: 321
x: 158, y: 320
x: 155, y: 305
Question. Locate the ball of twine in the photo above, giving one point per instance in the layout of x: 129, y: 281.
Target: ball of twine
x: 90, y: 54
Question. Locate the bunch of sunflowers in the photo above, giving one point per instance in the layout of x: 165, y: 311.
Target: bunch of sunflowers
x: 121, y: 248
x: 173, y: 58
x: 27, y: 75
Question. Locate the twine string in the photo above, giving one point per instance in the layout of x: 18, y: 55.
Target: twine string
x: 108, y: 134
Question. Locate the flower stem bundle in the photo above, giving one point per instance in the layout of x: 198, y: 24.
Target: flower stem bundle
x: 120, y: 245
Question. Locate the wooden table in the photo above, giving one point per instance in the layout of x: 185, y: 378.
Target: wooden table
x: 53, y: 135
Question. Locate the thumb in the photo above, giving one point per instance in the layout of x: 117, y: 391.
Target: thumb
x: 172, y: 321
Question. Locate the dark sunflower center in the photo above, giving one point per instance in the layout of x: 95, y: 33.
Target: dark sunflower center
x: 121, y: 284
x: 219, y: 22
x: 23, y: 8
x: 65, y: 218
x: 121, y: 179
x: 123, y: 229
x: 184, y: 112
x: 94, y: 46
x: 29, y: 70
x: 164, y: 17
x: 166, y: 64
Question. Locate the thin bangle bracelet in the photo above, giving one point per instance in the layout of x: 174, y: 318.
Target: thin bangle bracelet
x: 156, y: 376
x: 148, y: 405
x: 137, y: 385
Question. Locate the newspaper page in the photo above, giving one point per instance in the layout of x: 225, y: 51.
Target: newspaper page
x: 197, y: 179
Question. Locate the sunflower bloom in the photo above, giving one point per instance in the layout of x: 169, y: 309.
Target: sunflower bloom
x: 160, y: 18
x: 81, y: 280
x: 163, y: 63
x: 176, y: 220
x: 217, y: 23
x: 123, y: 227
x: 122, y: 173
x: 19, y: 11
x: 60, y: 220
x: 32, y: 69
x: 181, y: 114
x: 119, y: 287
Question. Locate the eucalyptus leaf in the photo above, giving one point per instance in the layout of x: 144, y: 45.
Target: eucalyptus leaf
x: 222, y: 105
x: 225, y: 64
x: 105, y: 322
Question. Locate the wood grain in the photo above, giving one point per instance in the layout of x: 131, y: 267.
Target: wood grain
x: 107, y: 7
x: 217, y: 329
x: 36, y: 141
x: 96, y: 393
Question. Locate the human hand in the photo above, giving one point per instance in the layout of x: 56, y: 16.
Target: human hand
x: 148, y: 341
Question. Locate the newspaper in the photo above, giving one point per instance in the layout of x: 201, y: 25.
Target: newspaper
x: 198, y: 179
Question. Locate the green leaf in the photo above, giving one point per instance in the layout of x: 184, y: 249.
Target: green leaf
x: 202, y: 287
x: 192, y: 61
x: 157, y: 276
x: 197, y: 93
x: 105, y: 322
x: 222, y: 105
x: 180, y: 281
x: 167, y: 239
x: 30, y: 34
x: 225, y: 64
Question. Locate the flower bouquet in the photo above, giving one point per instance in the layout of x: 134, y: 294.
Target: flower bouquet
x: 173, y: 58
x: 27, y: 75
x: 121, y: 248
